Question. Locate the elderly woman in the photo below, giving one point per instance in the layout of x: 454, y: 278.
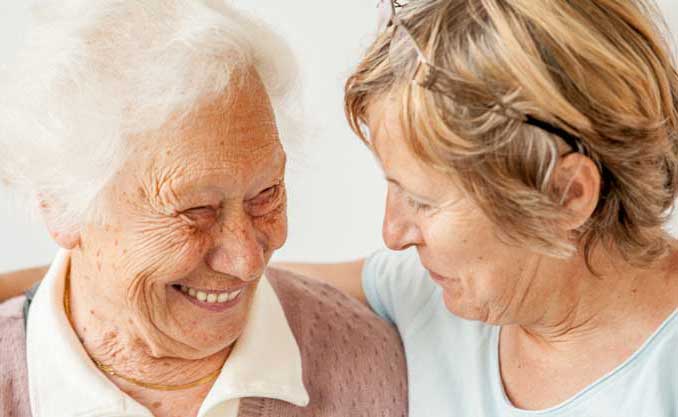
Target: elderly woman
x: 146, y: 131
x: 531, y: 154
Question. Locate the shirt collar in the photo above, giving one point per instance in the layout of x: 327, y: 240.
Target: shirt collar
x: 59, y: 369
x: 264, y: 362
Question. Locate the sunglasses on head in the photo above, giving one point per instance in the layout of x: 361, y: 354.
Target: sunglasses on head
x: 426, y: 74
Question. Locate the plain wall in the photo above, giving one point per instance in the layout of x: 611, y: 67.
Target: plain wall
x: 336, y: 191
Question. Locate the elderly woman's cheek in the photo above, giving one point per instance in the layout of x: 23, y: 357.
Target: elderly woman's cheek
x: 273, y: 228
x: 169, y: 249
x: 195, y: 241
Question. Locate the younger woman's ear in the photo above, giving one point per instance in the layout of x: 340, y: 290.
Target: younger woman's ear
x: 577, y: 183
x: 64, y: 237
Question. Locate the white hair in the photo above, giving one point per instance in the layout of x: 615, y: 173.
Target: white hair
x: 94, y: 72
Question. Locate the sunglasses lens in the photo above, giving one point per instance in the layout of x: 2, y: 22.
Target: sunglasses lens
x: 402, y: 54
x: 385, y: 14
x: 406, y: 59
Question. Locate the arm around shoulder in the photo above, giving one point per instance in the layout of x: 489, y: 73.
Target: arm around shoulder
x: 16, y: 283
x: 346, y: 276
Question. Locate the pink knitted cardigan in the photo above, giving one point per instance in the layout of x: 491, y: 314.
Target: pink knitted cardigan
x: 353, y: 362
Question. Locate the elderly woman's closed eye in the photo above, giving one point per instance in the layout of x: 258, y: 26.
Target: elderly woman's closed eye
x: 149, y: 140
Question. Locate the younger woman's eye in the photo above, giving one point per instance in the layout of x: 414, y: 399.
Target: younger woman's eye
x: 417, y: 206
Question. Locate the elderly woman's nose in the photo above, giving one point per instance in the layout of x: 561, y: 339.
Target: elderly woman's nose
x: 399, y: 230
x: 238, y: 252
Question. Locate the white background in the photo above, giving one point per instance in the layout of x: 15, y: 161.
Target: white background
x: 336, y: 191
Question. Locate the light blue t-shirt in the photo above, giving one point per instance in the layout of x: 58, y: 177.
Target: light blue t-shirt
x: 453, y: 366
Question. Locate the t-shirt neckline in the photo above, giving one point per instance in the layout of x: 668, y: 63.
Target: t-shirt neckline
x: 574, y: 400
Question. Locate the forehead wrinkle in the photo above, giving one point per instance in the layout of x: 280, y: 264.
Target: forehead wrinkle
x: 273, y: 168
x: 226, y: 137
x: 159, y: 185
x: 250, y: 154
x: 235, y: 126
x: 234, y: 174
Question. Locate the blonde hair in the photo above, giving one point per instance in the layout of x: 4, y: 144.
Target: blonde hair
x: 597, y: 69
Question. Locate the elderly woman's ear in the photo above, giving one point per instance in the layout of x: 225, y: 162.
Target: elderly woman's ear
x: 576, y: 181
x: 68, y: 237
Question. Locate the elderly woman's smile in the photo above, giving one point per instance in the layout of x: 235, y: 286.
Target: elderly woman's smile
x: 205, y: 297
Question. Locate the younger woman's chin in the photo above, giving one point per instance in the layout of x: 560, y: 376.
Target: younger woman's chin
x: 462, y: 308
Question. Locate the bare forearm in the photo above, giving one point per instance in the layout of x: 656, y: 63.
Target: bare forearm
x: 345, y: 276
x: 15, y: 283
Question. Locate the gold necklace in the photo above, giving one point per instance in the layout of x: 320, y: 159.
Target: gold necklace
x: 112, y: 372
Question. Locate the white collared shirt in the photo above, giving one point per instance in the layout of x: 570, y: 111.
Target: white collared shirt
x: 63, y: 381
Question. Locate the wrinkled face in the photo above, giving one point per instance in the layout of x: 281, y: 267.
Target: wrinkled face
x: 192, y: 220
x: 482, y: 278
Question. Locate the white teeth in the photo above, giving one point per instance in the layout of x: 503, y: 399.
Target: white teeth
x: 211, y: 297
x: 234, y: 294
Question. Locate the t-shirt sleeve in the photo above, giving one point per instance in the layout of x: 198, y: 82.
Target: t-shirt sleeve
x: 396, y: 285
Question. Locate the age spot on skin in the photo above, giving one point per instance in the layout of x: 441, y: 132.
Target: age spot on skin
x: 141, y: 192
x: 157, y: 404
x: 111, y: 335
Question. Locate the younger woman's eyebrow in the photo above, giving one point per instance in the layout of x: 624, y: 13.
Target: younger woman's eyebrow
x: 413, y: 194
